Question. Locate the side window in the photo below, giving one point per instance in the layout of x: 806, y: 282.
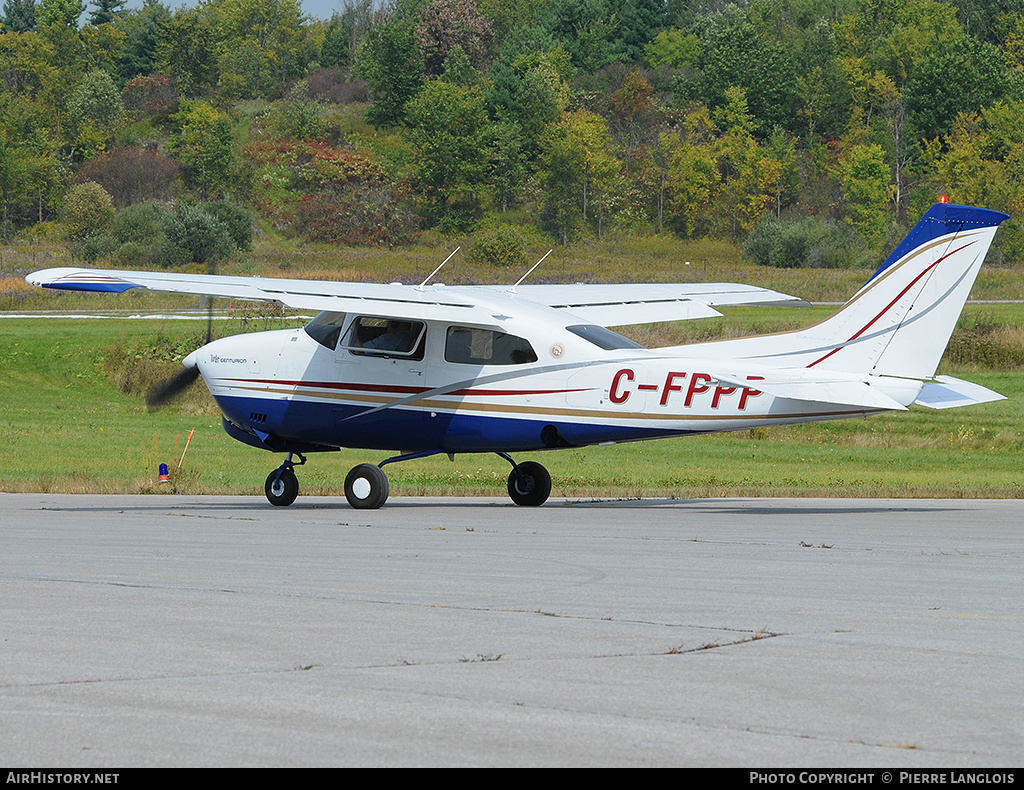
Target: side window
x: 468, y: 346
x: 386, y: 337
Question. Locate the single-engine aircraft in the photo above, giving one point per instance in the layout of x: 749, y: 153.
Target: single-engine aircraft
x: 428, y: 369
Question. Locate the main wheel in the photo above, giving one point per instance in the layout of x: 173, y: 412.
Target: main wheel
x: 281, y: 491
x: 366, y: 487
x: 529, y: 484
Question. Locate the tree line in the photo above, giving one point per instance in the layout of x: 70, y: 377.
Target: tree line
x: 815, y: 131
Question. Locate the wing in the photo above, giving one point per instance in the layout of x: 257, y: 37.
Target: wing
x: 625, y: 304
x: 390, y: 300
x: 605, y: 305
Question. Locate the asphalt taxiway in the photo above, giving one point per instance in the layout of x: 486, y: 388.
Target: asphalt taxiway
x: 219, y: 631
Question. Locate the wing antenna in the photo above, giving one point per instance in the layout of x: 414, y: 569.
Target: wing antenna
x: 420, y: 286
x: 512, y: 290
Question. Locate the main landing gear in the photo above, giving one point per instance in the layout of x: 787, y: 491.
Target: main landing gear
x: 366, y: 486
x: 529, y: 483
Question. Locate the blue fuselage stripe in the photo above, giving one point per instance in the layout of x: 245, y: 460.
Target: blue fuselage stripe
x: 341, y: 426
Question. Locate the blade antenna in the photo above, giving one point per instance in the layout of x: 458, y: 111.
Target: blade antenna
x: 420, y: 286
x: 512, y: 290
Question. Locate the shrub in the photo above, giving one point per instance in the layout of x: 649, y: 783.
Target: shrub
x: 191, y: 235
x: 139, y: 224
x: 88, y: 209
x: 987, y: 344
x: 133, y: 175
x: 96, y: 246
x: 809, y: 243
x: 150, y: 95
x: 502, y: 246
x: 237, y: 219
x: 361, y: 214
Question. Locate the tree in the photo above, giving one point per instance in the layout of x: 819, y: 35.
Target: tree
x: 508, y: 169
x: 691, y: 179
x: 343, y: 33
x: 864, y: 176
x: 106, y: 11
x: 934, y: 99
x: 14, y: 197
x: 673, y: 47
x: 141, y: 28
x: 579, y: 172
x: 259, y: 43
x: 93, y: 110
x: 585, y: 28
x: 20, y: 15
x: 392, y: 65
x: 458, y: 70
x: 736, y: 53
x: 445, y: 24
x: 529, y: 92
x: 449, y: 132
x: 204, y: 146
x: 193, y: 235
x: 185, y: 51
x: 65, y: 13
x: 639, y: 20
x: 134, y: 175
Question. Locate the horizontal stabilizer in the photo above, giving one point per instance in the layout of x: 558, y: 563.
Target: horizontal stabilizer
x: 947, y: 392
x: 839, y: 392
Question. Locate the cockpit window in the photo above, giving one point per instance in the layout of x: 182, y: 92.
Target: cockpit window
x: 386, y: 337
x: 325, y: 328
x: 602, y: 337
x: 469, y: 346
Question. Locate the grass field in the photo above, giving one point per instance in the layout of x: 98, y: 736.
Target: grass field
x: 68, y: 428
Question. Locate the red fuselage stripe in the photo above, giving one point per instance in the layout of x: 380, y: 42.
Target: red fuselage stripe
x: 396, y: 388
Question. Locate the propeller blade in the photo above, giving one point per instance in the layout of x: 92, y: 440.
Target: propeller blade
x: 178, y: 383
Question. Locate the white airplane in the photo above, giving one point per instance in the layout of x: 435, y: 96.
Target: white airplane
x: 428, y: 369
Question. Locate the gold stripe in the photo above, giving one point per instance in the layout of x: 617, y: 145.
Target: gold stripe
x: 499, y: 410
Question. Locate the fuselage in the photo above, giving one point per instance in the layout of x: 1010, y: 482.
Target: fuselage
x: 526, y: 382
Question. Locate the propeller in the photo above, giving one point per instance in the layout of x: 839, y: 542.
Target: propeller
x: 182, y: 380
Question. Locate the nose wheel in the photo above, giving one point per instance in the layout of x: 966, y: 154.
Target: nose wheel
x: 282, y: 485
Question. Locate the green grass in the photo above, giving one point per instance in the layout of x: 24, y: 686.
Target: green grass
x: 67, y: 428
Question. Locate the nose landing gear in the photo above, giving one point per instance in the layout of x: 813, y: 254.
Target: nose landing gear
x: 282, y: 485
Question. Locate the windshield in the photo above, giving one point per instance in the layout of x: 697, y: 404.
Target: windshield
x: 325, y: 328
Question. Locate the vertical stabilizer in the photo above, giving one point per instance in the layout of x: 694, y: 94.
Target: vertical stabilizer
x: 899, y: 323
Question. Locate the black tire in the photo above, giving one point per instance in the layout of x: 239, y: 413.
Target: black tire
x: 529, y: 484
x: 282, y: 492
x: 366, y: 487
